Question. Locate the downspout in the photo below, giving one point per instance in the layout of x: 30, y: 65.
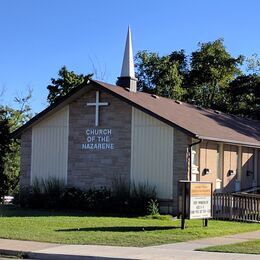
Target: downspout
x: 190, y: 157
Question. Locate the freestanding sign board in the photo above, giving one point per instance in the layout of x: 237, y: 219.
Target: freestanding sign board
x: 200, y: 200
x: 195, y: 200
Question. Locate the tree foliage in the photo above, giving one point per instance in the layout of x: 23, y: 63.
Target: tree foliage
x: 4, y: 149
x: 65, y: 83
x: 212, y: 69
x: 10, y: 120
x: 160, y: 75
x: 211, y: 78
x: 244, y: 95
x: 253, y: 64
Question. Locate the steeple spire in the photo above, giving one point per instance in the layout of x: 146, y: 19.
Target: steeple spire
x: 127, y: 78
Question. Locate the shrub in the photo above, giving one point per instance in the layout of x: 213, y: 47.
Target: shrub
x: 98, y: 199
x: 52, y: 191
x: 141, y: 194
x: 153, y: 208
x: 52, y: 194
x: 41, y: 194
x: 120, y: 195
x: 73, y: 198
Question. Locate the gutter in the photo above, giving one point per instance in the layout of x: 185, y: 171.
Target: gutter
x: 253, y: 145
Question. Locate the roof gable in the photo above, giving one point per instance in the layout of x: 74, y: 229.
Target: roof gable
x: 197, y: 122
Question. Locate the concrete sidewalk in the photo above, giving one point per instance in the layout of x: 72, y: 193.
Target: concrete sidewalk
x: 183, y: 250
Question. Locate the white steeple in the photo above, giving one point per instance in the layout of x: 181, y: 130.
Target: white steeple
x: 127, y: 78
x: 128, y: 61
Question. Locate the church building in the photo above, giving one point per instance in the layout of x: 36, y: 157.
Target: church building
x: 99, y: 132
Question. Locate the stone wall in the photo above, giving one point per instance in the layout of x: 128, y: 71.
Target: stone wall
x: 180, y: 163
x: 99, y: 167
x: 26, y: 149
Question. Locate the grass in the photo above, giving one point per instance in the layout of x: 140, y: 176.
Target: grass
x: 250, y: 247
x: 79, y: 228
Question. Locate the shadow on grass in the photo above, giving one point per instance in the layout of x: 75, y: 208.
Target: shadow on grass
x: 119, y: 229
x: 15, y: 211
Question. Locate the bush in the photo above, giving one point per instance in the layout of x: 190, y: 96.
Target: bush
x: 141, y: 194
x: 41, y: 194
x: 72, y: 198
x: 52, y: 194
x: 153, y: 208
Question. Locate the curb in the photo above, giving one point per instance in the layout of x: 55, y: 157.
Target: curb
x: 45, y: 256
x: 16, y: 253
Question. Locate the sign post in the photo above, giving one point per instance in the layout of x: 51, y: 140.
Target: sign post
x: 195, y: 201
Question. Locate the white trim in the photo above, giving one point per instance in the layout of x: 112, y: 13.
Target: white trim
x: 239, y: 169
x: 255, y: 167
x: 68, y: 132
x: 221, y: 164
x: 239, y: 163
x: 31, y: 157
x: 132, y: 145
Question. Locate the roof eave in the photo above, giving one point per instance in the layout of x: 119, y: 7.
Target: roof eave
x: 229, y: 141
x: 63, y: 101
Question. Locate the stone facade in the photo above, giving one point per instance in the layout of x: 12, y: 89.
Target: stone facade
x: 180, y: 163
x: 99, y: 167
x: 26, y: 151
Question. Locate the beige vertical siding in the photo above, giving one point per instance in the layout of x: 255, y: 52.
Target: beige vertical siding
x: 248, y: 169
x: 209, y: 160
x: 26, y: 154
x: 230, y: 163
x: 50, y: 147
x: 152, y: 153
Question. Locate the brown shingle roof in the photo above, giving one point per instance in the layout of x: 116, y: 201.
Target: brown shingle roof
x: 200, y: 123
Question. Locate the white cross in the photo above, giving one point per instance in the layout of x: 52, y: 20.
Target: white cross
x: 97, y: 104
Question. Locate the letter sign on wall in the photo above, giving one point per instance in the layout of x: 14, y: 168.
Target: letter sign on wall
x: 98, y: 138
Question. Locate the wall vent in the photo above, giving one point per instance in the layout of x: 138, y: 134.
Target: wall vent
x: 217, y: 112
x: 154, y: 96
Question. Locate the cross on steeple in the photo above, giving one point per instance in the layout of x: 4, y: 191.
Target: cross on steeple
x: 97, y: 104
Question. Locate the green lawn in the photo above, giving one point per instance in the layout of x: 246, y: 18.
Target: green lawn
x: 78, y: 228
x: 251, y: 247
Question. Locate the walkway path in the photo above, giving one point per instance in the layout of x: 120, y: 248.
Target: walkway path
x: 183, y: 250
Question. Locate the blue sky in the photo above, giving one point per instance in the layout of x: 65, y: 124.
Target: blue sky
x: 38, y: 37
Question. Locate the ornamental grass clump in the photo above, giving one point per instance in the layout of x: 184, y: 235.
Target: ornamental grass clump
x: 53, y: 194
x: 153, y: 208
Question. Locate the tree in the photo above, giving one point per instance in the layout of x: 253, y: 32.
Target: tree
x: 4, y: 149
x: 212, y: 68
x: 180, y: 59
x: 10, y: 120
x: 161, y: 75
x: 65, y: 83
x: 244, y: 93
x: 253, y: 64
